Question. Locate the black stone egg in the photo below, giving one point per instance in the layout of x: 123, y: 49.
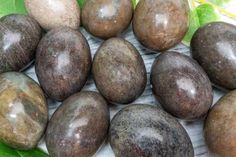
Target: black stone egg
x: 19, y: 37
x: 181, y: 86
x: 148, y: 131
x: 214, y: 47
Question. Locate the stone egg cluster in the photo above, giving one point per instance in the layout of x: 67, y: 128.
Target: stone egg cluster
x: 50, y: 37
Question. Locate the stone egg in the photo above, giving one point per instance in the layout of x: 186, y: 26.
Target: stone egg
x: 63, y: 62
x: 181, y: 86
x: 107, y: 18
x: 148, y: 131
x: 160, y: 24
x: 19, y: 37
x: 79, y: 126
x: 220, y: 126
x: 214, y: 47
x: 23, y: 111
x: 119, y: 71
x: 51, y: 14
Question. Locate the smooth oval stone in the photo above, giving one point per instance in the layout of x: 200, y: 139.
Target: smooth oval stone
x: 19, y: 37
x: 63, y: 62
x: 119, y: 71
x: 107, y: 18
x: 220, y: 126
x: 79, y: 126
x: 160, y: 24
x: 214, y: 47
x: 51, y: 14
x: 181, y: 86
x: 23, y: 111
x: 148, y: 131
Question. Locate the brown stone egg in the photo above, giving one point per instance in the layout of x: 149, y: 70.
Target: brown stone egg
x: 23, y: 111
x: 63, y: 62
x: 119, y: 71
x: 107, y: 18
x: 160, y: 24
x: 19, y: 37
x: 220, y: 126
x: 79, y: 126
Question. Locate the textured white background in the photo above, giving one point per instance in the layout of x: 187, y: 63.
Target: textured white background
x: 194, y: 129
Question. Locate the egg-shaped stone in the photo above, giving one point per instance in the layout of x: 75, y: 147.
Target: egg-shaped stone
x: 107, y: 18
x: 147, y: 131
x: 63, y: 62
x: 79, y: 126
x: 220, y: 126
x: 160, y: 24
x: 19, y: 37
x: 181, y: 86
x: 214, y: 47
x: 23, y: 111
x: 51, y: 14
x: 119, y: 71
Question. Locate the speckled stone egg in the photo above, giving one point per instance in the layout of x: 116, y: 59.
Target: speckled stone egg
x: 63, y: 62
x: 119, y: 71
x: 160, y: 24
x: 19, y: 37
x: 220, y: 126
x: 107, y: 18
x: 181, y: 86
x: 23, y: 111
x: 54, y: 13
x: 148, y: 131
x: 214, y: 47
x: 79, y: 126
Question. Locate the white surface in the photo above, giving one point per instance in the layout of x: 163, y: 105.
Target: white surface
x: 194, y: 129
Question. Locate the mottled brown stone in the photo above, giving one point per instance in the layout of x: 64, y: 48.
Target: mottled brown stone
x: 23, y: 111
x: 107, y: 18
x: 160, y: 24
x: 19, y: 37
x: 148, y: 131
x: 119, y: 71
x: 63, y: 62
x: 79, y: 126
x: 220, y: 126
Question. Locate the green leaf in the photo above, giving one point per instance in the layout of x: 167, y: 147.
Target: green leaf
x: 193, y: 26
x: 203, y: 14
x: 135, y: 2
x: 6, y: 151
x: 207, y: 13
x: 81, y: 3
x: 12, y: 6
x: 220, y: 2
x: 32, y: 153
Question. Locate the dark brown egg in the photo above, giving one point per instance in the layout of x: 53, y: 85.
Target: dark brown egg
x: 63, y: 62
x: 160, y: 24
x: 57, y: 13
x: 23, y: 111
x: 107, y: 18
x: 181, y: 86
x: 119, y: 71
x: 19, y: 37
x: 79, y: 126
x: 148, y: 131
x: 214, y: 47
x: 220, y: 126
